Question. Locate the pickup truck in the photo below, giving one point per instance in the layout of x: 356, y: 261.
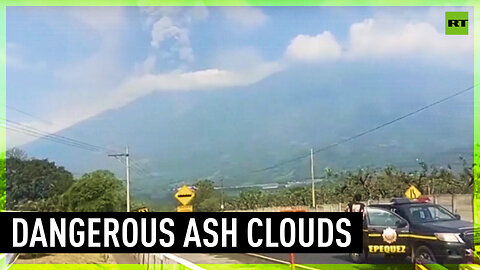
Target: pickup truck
x: 419, y: 230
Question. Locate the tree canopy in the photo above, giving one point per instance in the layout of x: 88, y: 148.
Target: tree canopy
x: 16, y: 153
x: 370, y: 183
x: 33, y: 181
x: 99, y: 191
x: 3, y: 185
x: 40, y: 185
x: 207, y: 199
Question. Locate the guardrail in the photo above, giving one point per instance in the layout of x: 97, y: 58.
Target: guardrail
x: 165, y: 261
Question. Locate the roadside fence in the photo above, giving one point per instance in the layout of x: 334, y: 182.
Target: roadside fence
x: 462, y: 204
x: 164, y: 261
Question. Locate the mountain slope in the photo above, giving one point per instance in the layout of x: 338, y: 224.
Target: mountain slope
x: 231, y: 132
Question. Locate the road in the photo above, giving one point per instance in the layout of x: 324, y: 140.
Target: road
x: 319, y: 258
x: 322, y: 261
x: 308, y: 261
x: 264, y: 261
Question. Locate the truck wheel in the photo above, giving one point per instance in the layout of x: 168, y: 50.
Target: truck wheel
x: 423, y: 252
x: 358, y: 257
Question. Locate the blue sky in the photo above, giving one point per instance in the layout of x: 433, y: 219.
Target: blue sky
x: 68, y: 64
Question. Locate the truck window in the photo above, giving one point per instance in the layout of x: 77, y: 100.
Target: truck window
x: 429, y: 213
x: 380, y: 217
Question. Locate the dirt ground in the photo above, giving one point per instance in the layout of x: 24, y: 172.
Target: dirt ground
x: 66, y: 258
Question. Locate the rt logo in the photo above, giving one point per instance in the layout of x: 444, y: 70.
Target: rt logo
x: 456, y: 23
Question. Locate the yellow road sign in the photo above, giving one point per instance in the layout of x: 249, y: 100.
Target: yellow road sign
x: 185, y: 208
x: 413, y: 193
x: 184, y: 195
x: 144, y: 209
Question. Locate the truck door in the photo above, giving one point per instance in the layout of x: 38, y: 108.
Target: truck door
x: 387, y: 233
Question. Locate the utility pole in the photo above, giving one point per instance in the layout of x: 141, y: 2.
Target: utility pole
x: 222, y: 205
x: 312, y: 173
x: 127, y: 172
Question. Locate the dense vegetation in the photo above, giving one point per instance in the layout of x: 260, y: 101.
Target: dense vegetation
x: 3, y: 184
x: 207, y: 199
x: 40, y: 185
x: 34, y: 182
x: 98, y: 191
x: 340, y: 187
x: 370, y: 183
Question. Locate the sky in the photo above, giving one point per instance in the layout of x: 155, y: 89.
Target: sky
x: 69, y: 64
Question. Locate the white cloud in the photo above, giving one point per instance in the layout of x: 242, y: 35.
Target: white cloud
x: 98, y: 80
x: 165, y: 29
x: 86, y: 104
x: 372, y: 38
x: 249, y: 17
x: 383, y: 38
x: 147, y: 66
x: 201, y: 80
x: 172, y: 24
x: 323, y: 46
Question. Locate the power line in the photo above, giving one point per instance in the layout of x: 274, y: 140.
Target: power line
x: 64, y: 138
x: 31, y: 131
x: 368, y: 130
x: 137, y: 164
x: 54, y: 136
x: 39, y: 118
x: 48, y: 138
x: 26, y: 113
x: 138, y: 170
x: 22, y: 128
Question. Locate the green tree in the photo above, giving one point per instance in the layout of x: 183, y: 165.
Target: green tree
x: 371, y: 183
x: 33, y: 181
x: 206, y: 199
x: 16, y: 153
x: 99, y: 191
x: 250, y: 199
x: 3, y: 185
